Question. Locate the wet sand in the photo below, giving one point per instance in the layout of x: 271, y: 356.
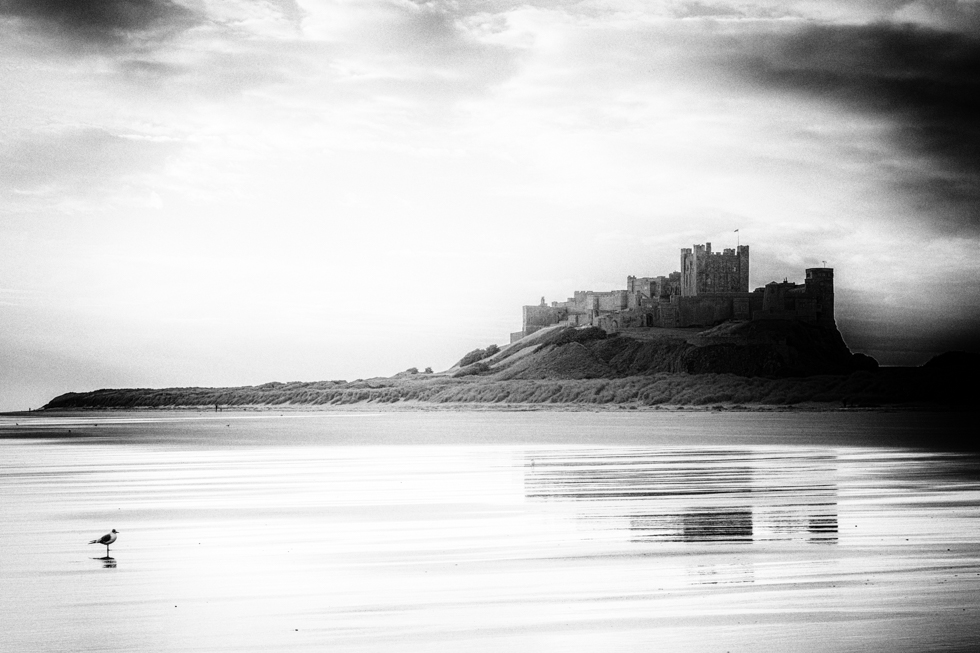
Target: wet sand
x: 488, y: 532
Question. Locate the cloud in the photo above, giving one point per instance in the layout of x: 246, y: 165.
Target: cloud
x: 951, y: 15
x: 732, y: 10
x: 77, y: 159
x: 102, y: 23
x: 924, y: 81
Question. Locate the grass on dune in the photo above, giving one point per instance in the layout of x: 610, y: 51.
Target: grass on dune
x: 856, y: 389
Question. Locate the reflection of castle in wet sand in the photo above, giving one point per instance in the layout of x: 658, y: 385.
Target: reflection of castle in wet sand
x: 722, y: 525
x: 665, y: 495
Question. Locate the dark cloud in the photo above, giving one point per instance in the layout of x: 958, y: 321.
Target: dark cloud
x: 902, y: 342
x: 102, y: 22
x: 913, y: 332
x: 924, y: 81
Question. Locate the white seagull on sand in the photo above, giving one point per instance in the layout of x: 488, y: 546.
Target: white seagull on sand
x: 106, y: 539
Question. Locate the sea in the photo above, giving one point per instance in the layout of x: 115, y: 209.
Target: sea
x: 446, y: 531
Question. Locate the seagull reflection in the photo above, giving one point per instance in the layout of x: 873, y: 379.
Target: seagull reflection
x: 107, y: 562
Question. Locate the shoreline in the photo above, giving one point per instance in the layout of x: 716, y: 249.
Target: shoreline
x: 510, y: 425
x: 496, y: 407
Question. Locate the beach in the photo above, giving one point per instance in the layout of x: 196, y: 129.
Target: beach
x: 488, y: 531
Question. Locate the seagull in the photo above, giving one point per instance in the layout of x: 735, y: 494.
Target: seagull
x: 106, y: 539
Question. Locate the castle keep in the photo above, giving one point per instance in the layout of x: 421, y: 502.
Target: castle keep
x: 703, y: 272
x: 711, y: 287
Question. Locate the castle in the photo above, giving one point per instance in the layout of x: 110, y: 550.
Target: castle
x: 710, y: 288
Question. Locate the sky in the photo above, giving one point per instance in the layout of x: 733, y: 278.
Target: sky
x: 230, y: 192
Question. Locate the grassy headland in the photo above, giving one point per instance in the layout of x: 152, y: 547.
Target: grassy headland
x: 736, y: 365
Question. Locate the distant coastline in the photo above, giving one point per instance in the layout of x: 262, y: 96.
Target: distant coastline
x: 565, y: 368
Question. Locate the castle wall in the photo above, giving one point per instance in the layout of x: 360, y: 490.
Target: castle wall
x: 646, y: 286
x: 701, y: 311
x: 543, y: 315
x: 812, y: 301
x: 704, y: 310
x: 585, y: 305
x: 654, y: 287
x: 612, y: 301
x: 539, y: 317
x: 711, y: 308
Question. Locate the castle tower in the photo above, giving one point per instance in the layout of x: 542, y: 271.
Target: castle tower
x: 692, y: 268
x: 820, y: 287
x: 721, y: 272
x: 742, y: 253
